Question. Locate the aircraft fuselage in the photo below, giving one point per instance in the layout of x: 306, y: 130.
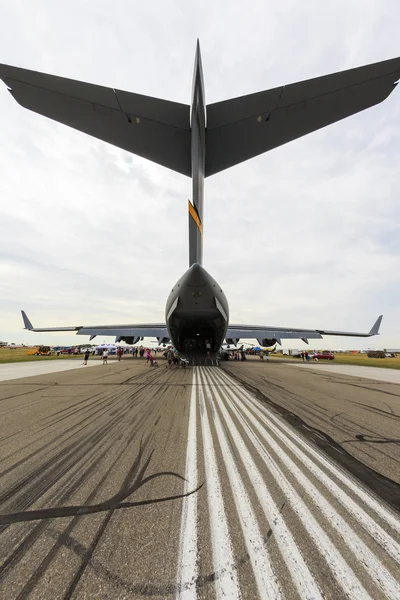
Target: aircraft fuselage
x: 197, y: 309
x: 196, y: 312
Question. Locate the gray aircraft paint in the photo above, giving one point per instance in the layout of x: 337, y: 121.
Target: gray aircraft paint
x: 199, y: 141
x: 198, y: 160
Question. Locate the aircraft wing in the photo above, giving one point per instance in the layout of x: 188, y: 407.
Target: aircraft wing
x: 157, y: 330
x: 155, y: 129
x: 241, y: 128
x: 263, y: 334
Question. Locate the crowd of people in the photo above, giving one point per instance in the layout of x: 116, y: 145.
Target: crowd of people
x: 149, y: 354
x: 173, y: 359
x: 239, y: 355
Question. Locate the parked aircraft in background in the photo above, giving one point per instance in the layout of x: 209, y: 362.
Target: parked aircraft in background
x: 199, y: 141
x: 227, y: 350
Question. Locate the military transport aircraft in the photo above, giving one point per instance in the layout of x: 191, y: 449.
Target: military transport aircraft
x: 199, y: 141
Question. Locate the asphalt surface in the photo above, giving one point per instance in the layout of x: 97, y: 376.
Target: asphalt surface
x: 361, y: 415
x: 128, y: 481
x: 42, y: 367
x: 375, y: 373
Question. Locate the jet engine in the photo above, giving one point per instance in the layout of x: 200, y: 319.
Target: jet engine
x: 267, y: 343
x: 128, y: 339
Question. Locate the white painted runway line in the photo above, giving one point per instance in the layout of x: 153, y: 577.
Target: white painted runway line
x: 358, y: 547
x: 188, y: 560
x: 367, y: 499
x: 332, y: 519
x: 267, y: 584
x: 30, y: 369
x: 376, y: 373
x: 226, y: 582
x: 300, y: 573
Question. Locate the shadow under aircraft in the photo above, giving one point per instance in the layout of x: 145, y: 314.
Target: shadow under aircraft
x: 199, y: 140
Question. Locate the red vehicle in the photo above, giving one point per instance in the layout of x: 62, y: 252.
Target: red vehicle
x: 323, y: 355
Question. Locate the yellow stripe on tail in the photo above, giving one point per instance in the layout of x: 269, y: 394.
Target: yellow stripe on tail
x: 195, y: 217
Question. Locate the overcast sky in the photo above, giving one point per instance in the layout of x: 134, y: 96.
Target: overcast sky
x: 306, y: 235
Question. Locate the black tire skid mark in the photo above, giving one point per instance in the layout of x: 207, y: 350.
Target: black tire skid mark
x: 32, y: 487
x: 34, y: 442
x: 353, y: 428
x: 99, y: 400
x: 362, y: 437
x: 102, y: 406
x: 346, y: 429
x: 28, y: 542
x: 386, y: 488
x: 75, y: 429
x: 104, y: 403
x: 154, y: 376
x: 84, y: 401
x: 14, y: 409
x: 74, y: 446
x: 374, y: 409
x: 363, y: 387
x: 145, y: 589
x: 24, y: 393
x: 23, y: 548
x: 47, y: 560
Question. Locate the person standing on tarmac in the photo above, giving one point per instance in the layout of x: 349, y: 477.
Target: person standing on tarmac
x: 147, y: 356
x: 119, y: 354
x: 105, y: 356
x: 169, y: 358
x: 86, y: 356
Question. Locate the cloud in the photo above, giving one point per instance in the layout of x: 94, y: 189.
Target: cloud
x: 306, y: 235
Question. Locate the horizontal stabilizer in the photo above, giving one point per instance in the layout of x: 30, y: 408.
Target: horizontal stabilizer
x: 158, y: 130
x: 241, y: 128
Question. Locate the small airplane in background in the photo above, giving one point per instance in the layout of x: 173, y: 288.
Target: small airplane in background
x: 227, y: 350
x: 198, y: 141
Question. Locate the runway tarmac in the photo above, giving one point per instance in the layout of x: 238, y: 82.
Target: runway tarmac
x: 376, y: 373
x: 41, y: 367
x: 135, y: 482
x: 345, y: 414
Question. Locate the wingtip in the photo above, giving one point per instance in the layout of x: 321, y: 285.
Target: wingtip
x: 27, y: 324
x: 376, y: 326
